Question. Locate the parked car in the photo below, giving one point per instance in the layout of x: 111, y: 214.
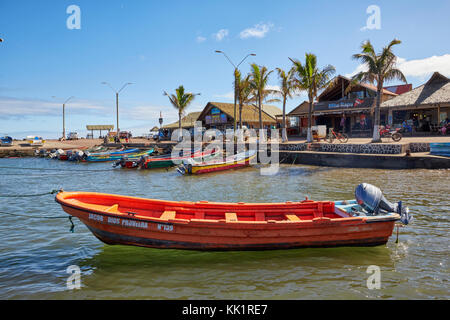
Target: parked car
x: 72, y: 136
x: 6, y: 141
x: 125, y: 135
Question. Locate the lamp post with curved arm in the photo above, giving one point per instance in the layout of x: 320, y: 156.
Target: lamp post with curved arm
x: 64, y: 116
x: 117, y: 101
x: 236, y: 69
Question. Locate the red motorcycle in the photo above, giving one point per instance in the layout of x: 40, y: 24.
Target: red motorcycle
x: 386, y: 132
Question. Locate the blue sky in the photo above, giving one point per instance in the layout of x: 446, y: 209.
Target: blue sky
x: 159, y: 45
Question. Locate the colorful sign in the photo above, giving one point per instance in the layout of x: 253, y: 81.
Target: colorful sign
x: 215, y: 111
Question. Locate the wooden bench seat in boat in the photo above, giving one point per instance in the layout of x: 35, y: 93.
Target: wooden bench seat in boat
x: 292, y: 217
x: 167, y: 215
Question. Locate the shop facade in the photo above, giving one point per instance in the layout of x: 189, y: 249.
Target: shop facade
x: 220, y: 116
x: 423, y: 110
x: 344, y: 107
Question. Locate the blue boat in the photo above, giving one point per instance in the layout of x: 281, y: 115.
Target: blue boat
x: 108, y: 153
x: 117, y: 155
x: 440, y: 149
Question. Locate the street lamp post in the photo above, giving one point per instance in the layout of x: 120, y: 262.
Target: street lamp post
x: 236, y: 69
x: 117, y: 101
x: 64, y: 117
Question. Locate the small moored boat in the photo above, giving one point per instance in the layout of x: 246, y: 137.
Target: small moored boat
x: 132, y: 160
x: 367, y: 221
x: 243, y: 159
x: 169, y: 160
x: 109, y: 156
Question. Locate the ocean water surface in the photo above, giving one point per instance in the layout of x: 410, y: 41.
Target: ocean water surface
x: 35, y: 253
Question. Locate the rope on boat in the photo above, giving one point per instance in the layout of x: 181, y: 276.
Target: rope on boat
x: 283, y: 159
x: 72, y: 227
x: 29, y: 195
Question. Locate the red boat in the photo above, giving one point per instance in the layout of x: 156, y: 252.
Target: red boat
x: 63, y: 157
x: 204, y: 225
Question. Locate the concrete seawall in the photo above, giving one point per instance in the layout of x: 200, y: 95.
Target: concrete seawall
x: 24, y: 152
x: 351, y: 160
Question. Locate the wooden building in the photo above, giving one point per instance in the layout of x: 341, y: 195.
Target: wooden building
x: 342, y: 106
x: 424, y: 108
x: 219, y: 115
x: 187, y: 122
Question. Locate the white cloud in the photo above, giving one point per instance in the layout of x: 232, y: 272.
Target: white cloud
x: 220, y: 35
x: 257, y: 31
x: 151, y: 113
x: 420, y: 68
x: 15, y: 107
x: 228, y: 96
x: 200, y: 39
x: 425, y: 67
x: 270, y: 87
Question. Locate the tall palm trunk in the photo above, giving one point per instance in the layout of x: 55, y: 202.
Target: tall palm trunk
x: 309, y: 137
x: 283, y: 131
x: 261, y: 129
x: 240, y: 116
x: 376, y: 126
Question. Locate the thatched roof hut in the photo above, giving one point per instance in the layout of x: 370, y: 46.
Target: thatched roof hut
x: 187, y: 121
x: 435, y: 91
x: 250, y: 113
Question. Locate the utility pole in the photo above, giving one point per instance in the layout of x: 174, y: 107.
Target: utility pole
x: 117, y: 102
x: 236, y: 70
x: 64, y: 116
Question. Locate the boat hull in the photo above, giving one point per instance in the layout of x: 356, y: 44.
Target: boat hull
x: 168, y: 161
x: 200, y: 234
x: 221, y: 166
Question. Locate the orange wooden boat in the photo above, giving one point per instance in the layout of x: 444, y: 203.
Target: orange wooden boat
x: 206, y: 225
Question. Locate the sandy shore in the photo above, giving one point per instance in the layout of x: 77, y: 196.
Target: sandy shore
x: 89, y: 143
x: 65, y: 145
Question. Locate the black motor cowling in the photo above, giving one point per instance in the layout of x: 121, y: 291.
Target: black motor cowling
x: 372, y: 200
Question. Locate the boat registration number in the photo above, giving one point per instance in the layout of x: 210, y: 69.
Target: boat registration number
x: 165, y: 227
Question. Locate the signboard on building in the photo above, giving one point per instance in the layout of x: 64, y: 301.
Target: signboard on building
x: 344, y: 104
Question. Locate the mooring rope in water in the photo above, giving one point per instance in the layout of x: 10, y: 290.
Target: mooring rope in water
x: 72, y: 227
x: 29, y: 195
x: 294, y: 159
x: 55, y: 169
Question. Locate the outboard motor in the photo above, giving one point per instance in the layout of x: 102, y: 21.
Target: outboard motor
x: 371, y: 199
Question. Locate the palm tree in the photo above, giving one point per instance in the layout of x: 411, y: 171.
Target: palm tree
x: 259, y: 77
x: 180, y: 101
x: 309, y: 78
x: 243, y: 93
x: 287, y: 89
x: 380, y: 68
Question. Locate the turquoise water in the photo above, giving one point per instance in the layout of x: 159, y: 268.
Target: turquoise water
x: 35, y: 253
